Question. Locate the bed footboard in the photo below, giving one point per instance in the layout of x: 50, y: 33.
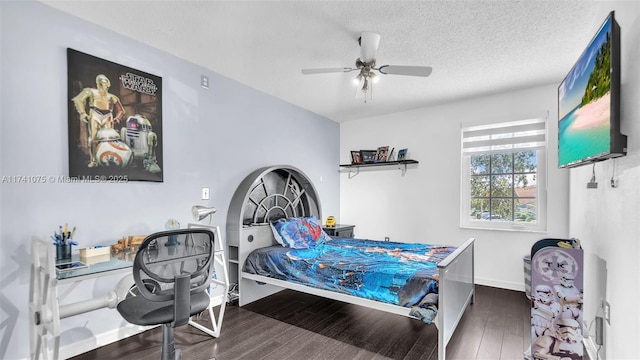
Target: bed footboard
x: 456, y: 292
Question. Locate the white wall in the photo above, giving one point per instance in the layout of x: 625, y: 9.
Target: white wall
x: 212, y: 138
x: 424, y: 204
x: 607, y: 220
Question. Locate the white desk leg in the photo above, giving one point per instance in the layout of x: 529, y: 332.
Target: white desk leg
x: 45, y: 310
x: 44, y: 302
x: 56, y: 347
x: 35, y: 340
x: 40, y: 299
x: 216, y: 324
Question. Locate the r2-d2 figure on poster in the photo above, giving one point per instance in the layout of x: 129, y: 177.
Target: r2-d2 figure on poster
x: 139, y: 135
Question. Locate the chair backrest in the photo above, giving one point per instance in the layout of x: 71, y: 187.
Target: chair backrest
x: 170, y: 263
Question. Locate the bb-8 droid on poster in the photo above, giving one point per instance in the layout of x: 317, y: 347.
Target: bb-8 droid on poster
x: 111, y: 150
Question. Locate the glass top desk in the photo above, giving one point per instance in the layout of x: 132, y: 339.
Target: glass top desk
x: 112, y: 266
x: 46, y: 299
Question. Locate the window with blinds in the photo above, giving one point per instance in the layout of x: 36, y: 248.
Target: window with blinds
x: 503, y: 176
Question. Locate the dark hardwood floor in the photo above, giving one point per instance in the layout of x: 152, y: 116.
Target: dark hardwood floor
x: 292, y: 325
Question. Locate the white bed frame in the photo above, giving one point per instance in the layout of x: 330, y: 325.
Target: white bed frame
x: 456, y: 288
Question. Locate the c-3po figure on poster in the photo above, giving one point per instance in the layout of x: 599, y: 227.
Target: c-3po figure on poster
x: 104, y: 109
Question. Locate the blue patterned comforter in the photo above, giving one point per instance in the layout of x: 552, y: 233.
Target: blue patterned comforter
x: 396, y: 273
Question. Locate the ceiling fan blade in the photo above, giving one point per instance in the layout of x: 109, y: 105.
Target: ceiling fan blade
x: 405, y: 70
x: 324, y: 71
x: 369, y: 42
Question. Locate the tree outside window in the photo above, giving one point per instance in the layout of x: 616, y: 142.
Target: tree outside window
x: 503, y: 187
x: 503, y: 176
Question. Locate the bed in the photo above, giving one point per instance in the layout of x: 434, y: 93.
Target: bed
x: 285, y: 194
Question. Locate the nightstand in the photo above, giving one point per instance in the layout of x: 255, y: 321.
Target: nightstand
x: 340, y: 230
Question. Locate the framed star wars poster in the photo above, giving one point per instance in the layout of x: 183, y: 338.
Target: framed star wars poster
x: 115, y: 121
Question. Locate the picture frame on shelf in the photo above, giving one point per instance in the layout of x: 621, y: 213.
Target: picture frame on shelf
x: 355, y: 157
x: 402, y: 154
x: 381, y: 154
x: 391, y: 154
x: 368, y: 156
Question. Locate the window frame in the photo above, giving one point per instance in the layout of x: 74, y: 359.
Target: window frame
x: 541, y: 185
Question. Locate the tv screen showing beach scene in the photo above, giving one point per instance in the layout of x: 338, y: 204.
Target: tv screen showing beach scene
x: 584, y: 103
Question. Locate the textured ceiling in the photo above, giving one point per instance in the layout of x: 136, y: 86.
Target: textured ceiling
x: 474, y: 47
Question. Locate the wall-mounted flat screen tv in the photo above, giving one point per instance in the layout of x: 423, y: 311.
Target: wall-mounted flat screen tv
x: 589, y: 102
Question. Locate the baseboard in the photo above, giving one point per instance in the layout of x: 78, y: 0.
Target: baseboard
x: 106, y: 338
x: 517, y: 286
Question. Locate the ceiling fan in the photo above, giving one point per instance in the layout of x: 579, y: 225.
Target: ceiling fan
x: 366, y: 64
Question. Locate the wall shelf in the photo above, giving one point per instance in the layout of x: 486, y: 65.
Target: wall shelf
x: 354, y: 169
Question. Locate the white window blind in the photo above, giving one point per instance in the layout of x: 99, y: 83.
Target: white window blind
x: 503, y: 176
x: 509, y: 136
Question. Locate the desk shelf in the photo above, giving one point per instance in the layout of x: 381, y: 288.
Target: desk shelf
x: 402, y: 165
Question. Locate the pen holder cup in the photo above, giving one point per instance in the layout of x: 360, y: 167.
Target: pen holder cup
x: 63, y: 252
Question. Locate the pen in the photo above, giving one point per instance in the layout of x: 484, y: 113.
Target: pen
x: 63, y: 236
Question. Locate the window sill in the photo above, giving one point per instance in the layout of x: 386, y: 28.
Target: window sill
x: 504, y: 228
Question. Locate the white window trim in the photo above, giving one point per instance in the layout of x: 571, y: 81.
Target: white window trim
x: 541, y: 194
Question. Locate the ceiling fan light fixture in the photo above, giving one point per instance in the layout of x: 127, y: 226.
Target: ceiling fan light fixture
x: 365, y: 85
x: 357, y: 80
x: 366, y: 65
